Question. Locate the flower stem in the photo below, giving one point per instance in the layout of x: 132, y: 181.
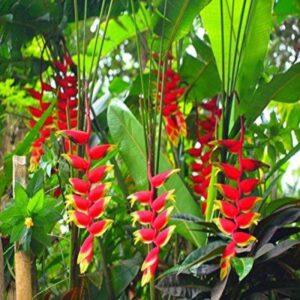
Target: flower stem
x: 152, y: 289
x: 106, y: 272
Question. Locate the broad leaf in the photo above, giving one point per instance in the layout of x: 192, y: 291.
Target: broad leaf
x: 127, y: 133
x: 177, y: 20
x: 282, y: 88
x: 36, y: 203
x: 242, y: 266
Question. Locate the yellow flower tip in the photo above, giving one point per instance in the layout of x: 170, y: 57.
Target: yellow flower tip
x: 113, y: 147
x: 69, y: 200
x: 169, y: 211
x: 66, y: 157
x: 137, y: 237
x: 175, y: 171
x: 132, y: 199
x: 109, y: 168
x: 147, y: 276
x: 134, y: 217
x: 71, y: 217
x: 28, y: 222
x: 83, y: 265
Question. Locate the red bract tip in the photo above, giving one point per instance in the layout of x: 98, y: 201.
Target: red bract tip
x: 46, y: 87
x: 164, y: 236
x: 247, y: 219
x: 248, y: 185
x: 98, y: 152
x: 246, y: 204
x: 249, y: 164
x: 60, y: 66
x: 98, y: 192
x: 78, y: 202
x: 76, y: 136
x: 232, y: 146
x: 81, y: 219
x: 226, y: 226
x: 159, y: 203
x: 227, y: 209
x: 80, y: 185
x: 195, y: 152
x: 228, y: 192
x: 98, y: 208
x: 230, y: 171
x: 145, y: 235
x: 97, y: 174
x: 35, y: 112
x: 142, y: 216
x: 159, y: 179
x: 98, y: 228
x: 77, y: 162
x: 151, y: 258
x: 162, y: 219
x: 34, y: 94
x: 243, y: 239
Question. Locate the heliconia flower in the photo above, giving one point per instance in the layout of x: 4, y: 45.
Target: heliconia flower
x: 225, y: 225
x: 149, y: 273
x: 77, y: 136
x: 159, y: 180
x: 247, y: 219
x: 79, y: 185
x: 77, y: 162
x: 97, y: 209
x: 195, y: 152
x: 249, y: 164
x: 227, y: 209
x: 143, y: 197
x: 142, y: 216
x: 160, y: 202
x: 98, y: 173
x: 99, y: 191
x: 81, y: 219
x: 98, y: 228
x: 34, y: 94
x: 99, y: 152
x: 78, y: 202
x: 85, y: 250
x: 243, y: 239
x: 151, y: 258
x: 35, y: 112
x: 248, y: 185
x: 246, y: 204
x: 233, y: 146
x: 162, y: 219
x: 230, y: 171
x: 164, y: 236
x: 146, y: 235
x: 228, y: 191
x: 196, y: 167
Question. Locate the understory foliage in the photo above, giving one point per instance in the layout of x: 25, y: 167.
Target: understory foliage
x: 160, y: 138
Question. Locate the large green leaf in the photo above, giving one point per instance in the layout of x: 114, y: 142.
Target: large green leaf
x: 211, y: 16
x: 242, y: 266
x: 120, y: 30
x: 204, y: 81
x: 178, y: 18
x: 127, y: 133
x: 283, y: 88
x: 255, y: 46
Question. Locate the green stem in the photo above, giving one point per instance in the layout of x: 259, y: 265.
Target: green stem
x: 74, y: 250
x: 152, y: 289
x: 106, y: 273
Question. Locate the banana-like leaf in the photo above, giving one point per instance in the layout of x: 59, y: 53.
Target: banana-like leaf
x: 127, y: 133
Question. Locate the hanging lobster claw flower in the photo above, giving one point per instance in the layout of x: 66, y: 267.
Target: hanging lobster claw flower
x: 230, y: 171
x: 146, y: 235
x: 246, y: 204
x: 79, y: 203
x: 164, y: 236
x: 85, y: 251
x: 248, y: 185
x: 247, y: 219
x: 225, y: 225
x: 81, y: 219
x: 228, y: 191
x: 97, y: 174
x: 228, y: 253
x: 143, y: 197
x: 151, y: 258
x: 159, y: 203
x: 35, y: 112
x: 227, y: 209
x: 196, y: 167
x: 149, y: 273
x: 98, y: 208
x: 250, y: 165
x: 98, y: 152
x: 233, y: 146
x: 99, y: 191
x: 79, y: 185
x: 243, y: 239
x: 46, y: 87
x: 195, y: 152
x: 98, y: 228
x: 158, y: 180
x: 34, y: 94
x: 77, y: 162
x: 162, y: 219
x: 142, y: 216
x: 77, y: 136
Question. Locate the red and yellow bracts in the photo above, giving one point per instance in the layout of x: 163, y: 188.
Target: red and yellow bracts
x: 237, y: 205
x: 89, y: 198
x: 154, y: 216
x: 201, y: 153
